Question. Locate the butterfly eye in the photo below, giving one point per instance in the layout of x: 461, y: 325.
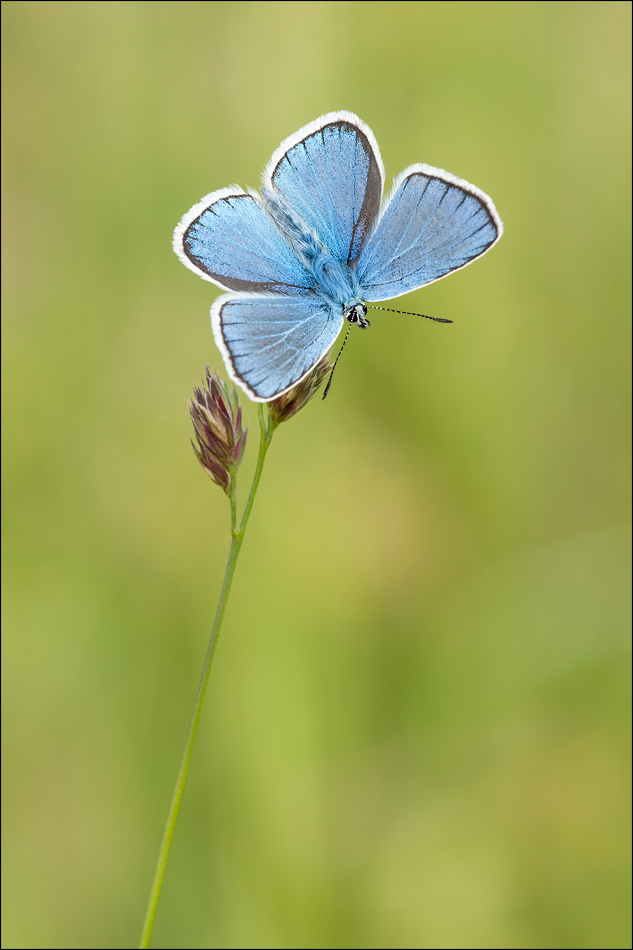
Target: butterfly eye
x: 358, y: 316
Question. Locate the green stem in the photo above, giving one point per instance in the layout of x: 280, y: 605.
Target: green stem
x: 174, y: 808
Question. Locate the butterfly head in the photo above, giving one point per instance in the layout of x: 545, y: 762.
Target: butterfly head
x: 358, y: 315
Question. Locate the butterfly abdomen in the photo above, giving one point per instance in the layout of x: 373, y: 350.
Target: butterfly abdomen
x: 332, y: 278
x: 303, y: 239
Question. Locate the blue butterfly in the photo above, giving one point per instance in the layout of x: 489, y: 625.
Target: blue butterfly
x: 316, y: 247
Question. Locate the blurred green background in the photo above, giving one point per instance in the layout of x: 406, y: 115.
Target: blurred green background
x: 416, y: 733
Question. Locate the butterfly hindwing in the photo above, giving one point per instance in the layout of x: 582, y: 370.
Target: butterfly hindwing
x: 331, y: 173
x: 433, y: 224
x: 270, y: 342
x: 230, y: 239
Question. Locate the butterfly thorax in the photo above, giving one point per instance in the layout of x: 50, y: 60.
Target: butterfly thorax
x: 332, y: 279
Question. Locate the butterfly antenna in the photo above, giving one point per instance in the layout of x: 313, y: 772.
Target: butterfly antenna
x: 329, y: 382
x: 409, y: 314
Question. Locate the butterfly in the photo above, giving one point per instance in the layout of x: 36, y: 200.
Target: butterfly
x: 316, y: 247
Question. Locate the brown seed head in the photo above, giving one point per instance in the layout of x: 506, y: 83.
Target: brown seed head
x: 217, y: 422
x: 284, y: 407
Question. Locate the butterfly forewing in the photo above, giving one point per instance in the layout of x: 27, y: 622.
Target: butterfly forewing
x: 331, y: 174
x: 271, y: 342
x: 229, y: 238
x: 433, y: 224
